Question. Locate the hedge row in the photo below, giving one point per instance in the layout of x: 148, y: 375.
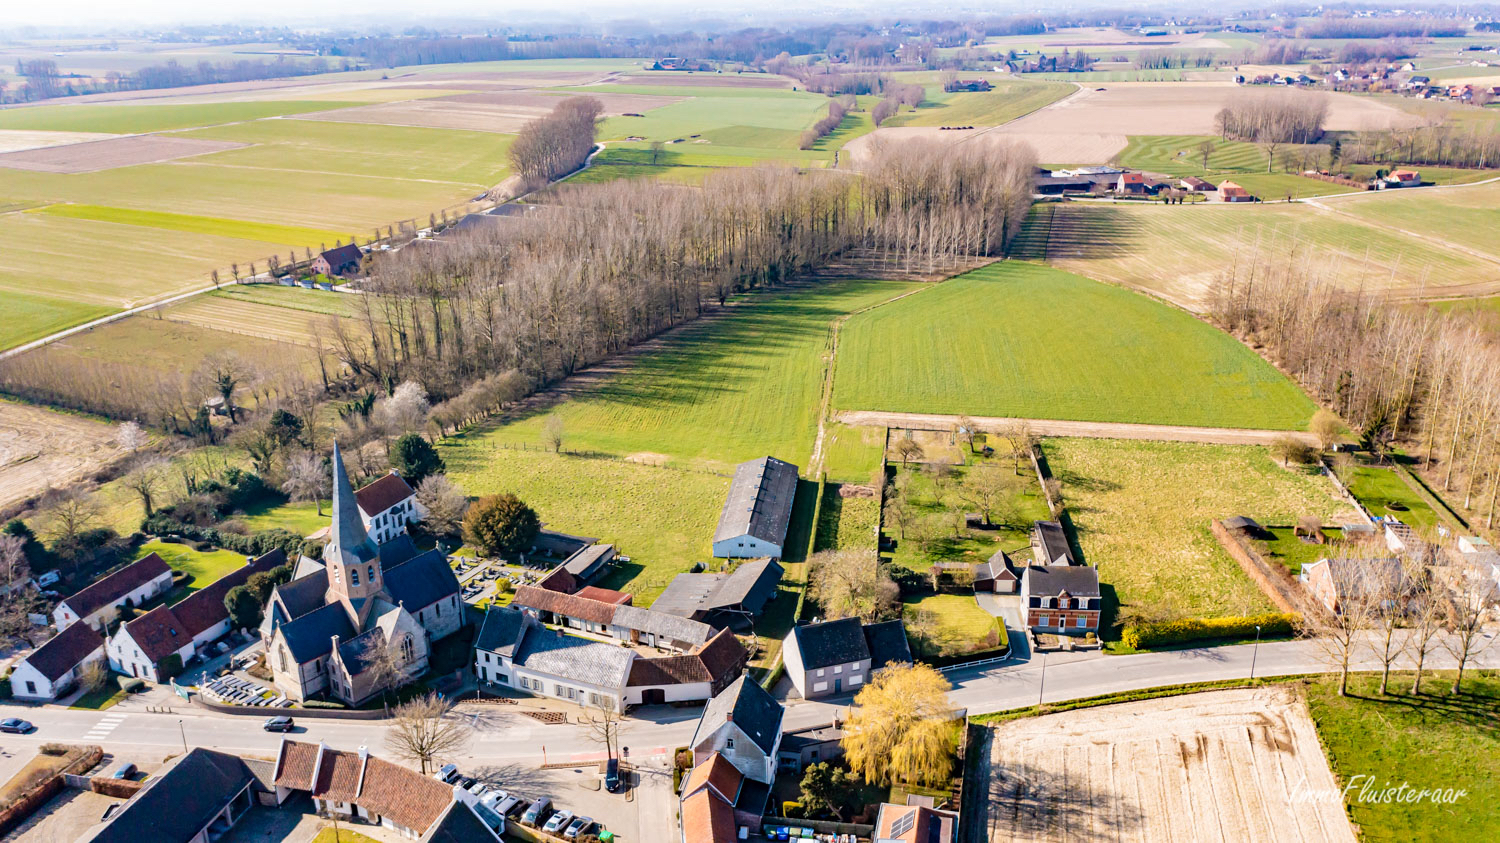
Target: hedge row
x: 259, y: 544
x: 1147, y: 635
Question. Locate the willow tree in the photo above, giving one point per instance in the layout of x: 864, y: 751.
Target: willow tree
x: 902, y: 728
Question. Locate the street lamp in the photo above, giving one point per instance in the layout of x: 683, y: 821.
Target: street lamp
x: 182, y: 732
x: 1255, y: 652
x: 1042, y: 686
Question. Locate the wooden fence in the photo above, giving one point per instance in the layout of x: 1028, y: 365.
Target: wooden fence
x: 1275, y: 581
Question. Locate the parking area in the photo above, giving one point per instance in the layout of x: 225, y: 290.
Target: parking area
x: 65, y: 817
x: 576, y: 790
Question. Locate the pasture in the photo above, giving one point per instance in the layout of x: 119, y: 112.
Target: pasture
x: 137, y: 119
x: 662, y: 518
x: 1177, y: 251
x: 1443, y: 215
x: 235, y: 315
x: 1025, y: 340
x: 1008, y: 101
x: 1141, y: 513
x: 262, y: 231
x: 737, y: 384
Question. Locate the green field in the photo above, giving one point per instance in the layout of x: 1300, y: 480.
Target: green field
x: 959, y: 626
x: 292, y: 298
x: 1456, y: 214
x: 662, y: 518
x: 284, y: 235
x: 1383, y: 492
x: 1009, y: 100
x: 1141, y: 513
x: 135, y: 119
x: 853, y: 454
x: 1178, y: 251
x: 1178, y: 155
x: 31, y: 317
x: 950, y: 544
x: 204, y: 567
x: 1020, y: 339
x: 1292, y: 553
x: 719, y: 391
x: 1431, y: 741
x: 299, y: 517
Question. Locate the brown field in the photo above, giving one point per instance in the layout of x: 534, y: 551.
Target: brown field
x: 40, y: 448
x: 15, y: 140
x: 1227, y: 765
x: 679, y: 79
x: 1180, y: 108
x: 540, y: 102
x: 281, y: 324
x: 93, y: 156
x: 433, y: 115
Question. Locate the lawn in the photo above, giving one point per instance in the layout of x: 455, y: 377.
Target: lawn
x: 853, y: 454
x: 716, y: 392
x: 300, y: 517
x: 1021, y: 339
x: 1433, y: 741
x: 662, y: 518
x: 1178, y: 251
x: 203, y: 567
x: 99, y: 700
x: 1009, y: 100
x: 936, y: 501
x: 292, y: 298
x: 1383, y: 492
x: 958, y: 625
x: 845, y: 523
x: 1141, y: 511
x: 1292, y: 553
x: 328, y: 834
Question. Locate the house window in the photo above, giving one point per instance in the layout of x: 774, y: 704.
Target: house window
x: 855, y: 680
x: 820, y: 671
x: 1044, y: 620
x: 503, y: 678
x: 438, y: 608
x: 1082, y: 623
x: 337, y: 577
x: 837, y: 669
x: 30, y: 687
x: 281, y: 657
x: 729, y: 744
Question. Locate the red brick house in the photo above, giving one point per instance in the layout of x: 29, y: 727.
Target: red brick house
x: 342, y: 261
x: 1061, y: 598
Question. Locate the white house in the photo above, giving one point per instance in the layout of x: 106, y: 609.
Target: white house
x: 743, y: 724
x: 757, y: 511
x: 834, y: 657
x: 133, y: 584
x: 53, y: 668
x: 386, y: 506
x: 358, y: 785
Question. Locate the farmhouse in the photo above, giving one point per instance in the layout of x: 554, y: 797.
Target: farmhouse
x: 53, y: 668
x: 997, y: 574
x: 810, y: 744
x: 359, y: 785
x: 132, y: 585
x: 1231, y: 192
x: 386, y: 506
x: 1334, y: 582
x: 145, y: 646
x: 757, y: 511
x: 617, y: 619
x: 968, y: 85
x: 1060, y: 598
x: 197, y: 799
x: 832, y: 657
x: 323, y: 629
x: 1132, y: 184
x: 1403, y: 178
x: 722, y: 600
x: 342, y: 261
x: 740, y: 730
x: 1196, y: 184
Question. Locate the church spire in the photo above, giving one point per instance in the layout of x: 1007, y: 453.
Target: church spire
x: 348, y: 543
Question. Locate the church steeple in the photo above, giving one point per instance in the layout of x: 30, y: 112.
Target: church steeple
x: 353, y: 561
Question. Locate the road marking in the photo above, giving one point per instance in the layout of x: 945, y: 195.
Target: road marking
x: 103, y: 728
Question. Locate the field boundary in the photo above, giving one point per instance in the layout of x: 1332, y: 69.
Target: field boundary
x: 1080, y: 429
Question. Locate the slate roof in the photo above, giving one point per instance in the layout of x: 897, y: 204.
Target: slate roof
x: 383, y: 494
x: 398, y: 549
x: 341, y: 255
x: 1053, y: 543
x: 460, y: 824
x: 501, y: 630
x: 106, y: 591
x: 65, y: 650
x: 311, y: 636
x: 590, y: 662
x: 421, y: 582
x: 750, y: 707
x: 671, y: 626
x: 831, y: 642
x: 303, y: 595
x: 887, y: 643
x: 1076, y: 580
x: 553, y: 543
x: 569, y: 605
x: 749, y: 587
x: 586, y: 561
x: 158, y: 633
x: 997, y: 567
x: 759, y: 502
x: 181, y: 801
x: 1352, y: 577
x: 355, y: 653
x: 1242, y: 522
x: 347, y: 535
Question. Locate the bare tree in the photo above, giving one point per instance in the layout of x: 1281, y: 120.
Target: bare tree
x: 93, y: 676
x: 131, y: 437
x: 443, y: 503
x: 552, y: 432
x: 307, y: 479
x: 908, y: 450
x: 1473, y: 592
x: 68, y: 512
x: 1206, y: 151
x: 967, y: 430
x: 1022, y: 440
x: 14, y: 567
x: 1426, y: 611
x: 1389, y: 592
x: 991, y: 491
x: 852, y: 583
x: 898, y: 510
x: 384, y: 670
x: 425, y: 729
x: 602, y: 719
x: 147, y: 480
x: 1326, y: 427
x: 1339, y: 633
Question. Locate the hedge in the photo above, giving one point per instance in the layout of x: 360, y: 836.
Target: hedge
x: 163, y: 524
x: 322, y: 704
x: 1147, y: 635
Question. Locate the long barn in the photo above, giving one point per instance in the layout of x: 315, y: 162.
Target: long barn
x: 754, y: 522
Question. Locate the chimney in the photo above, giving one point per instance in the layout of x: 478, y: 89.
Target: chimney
x: 364, y: 763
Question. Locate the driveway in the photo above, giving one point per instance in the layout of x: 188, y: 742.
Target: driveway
x: 1007, y: 607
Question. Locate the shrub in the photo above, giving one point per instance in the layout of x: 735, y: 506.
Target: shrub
x: 169, y: 667
x: 55, y: 749
x: 792, y: 809
x: 501, y: 524
x: 322, y: 704
x: 1147, y: 635
x: 5, y: 690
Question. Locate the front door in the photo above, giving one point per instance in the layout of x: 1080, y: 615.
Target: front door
x: 838, y: 685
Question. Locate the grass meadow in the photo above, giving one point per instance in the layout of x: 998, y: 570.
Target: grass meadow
x: 1141, y: 511
x: 1022, y: 339
x: 1178, y: 251
x: 1383, y: 492
x: 717, y: 392
x: 1434, y: 740
x: 136, y: 119
x: 1008, y: 100
x: 853, y: 454
x: 1458, y: 214
x: 949, y: 625
x: 31, y: 317
x: 203, y: 566
x: 263, y: 231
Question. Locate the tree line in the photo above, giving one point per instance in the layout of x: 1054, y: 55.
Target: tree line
x: 837, y: 108
x: 1279, y: 117
x: 1340, y: 26
x: 895, y: 97
x: 1476, y: 145
x: 555, y: 145
x: 45, y: 81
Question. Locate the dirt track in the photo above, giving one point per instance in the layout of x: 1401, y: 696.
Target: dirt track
x: 1088, y: 430
x: 1229, y: 765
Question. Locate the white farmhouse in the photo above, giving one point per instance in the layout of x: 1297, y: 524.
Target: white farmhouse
x: 758, y: 510
x: 53, y: 668
x: 133, y: 584
x: 386, y: 506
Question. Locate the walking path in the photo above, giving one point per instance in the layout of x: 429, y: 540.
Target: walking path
x: 1091, y: 430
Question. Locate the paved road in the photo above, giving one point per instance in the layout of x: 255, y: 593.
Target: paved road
x: 1092, y: 430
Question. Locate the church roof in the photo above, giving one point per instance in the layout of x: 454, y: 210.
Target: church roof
x: 348, y: 537
x: 311, y: 636
x: 420, y: 582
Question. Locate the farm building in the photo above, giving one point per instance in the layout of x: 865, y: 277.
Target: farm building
x: 132, y: 585
x: 1231, y: 192
x: 199, y: 797
x: 53, y: 668
x: 722, y: 600
x: 1334, y: 582
x: 837, y: 656
x: 757, y: 511
x: 1196, y: 184
x: 997, y: 574
x: 1132, y: 184
x: 342, y: 261
x: 1049, y: 544
x: 1403, y: 178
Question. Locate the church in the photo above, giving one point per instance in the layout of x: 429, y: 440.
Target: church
x: 327, y: 632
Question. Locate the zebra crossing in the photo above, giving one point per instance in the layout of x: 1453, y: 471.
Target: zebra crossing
x: 104, y: 727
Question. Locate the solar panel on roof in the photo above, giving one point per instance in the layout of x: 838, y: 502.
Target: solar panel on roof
x: 904, y: 824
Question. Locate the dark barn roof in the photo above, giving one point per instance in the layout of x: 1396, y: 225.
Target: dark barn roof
x: 750, y: 707
x: 759, y: 502
x: 117, y: 585
x: 177, y: 804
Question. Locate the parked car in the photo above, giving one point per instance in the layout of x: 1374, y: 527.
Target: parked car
x: 558, y: 822
x: 278, y: 724
x: 478, y: 788
x: 510, y: 806
x: 448, y: 773
x: 577, y: 827
x: 493, y: 798
x: 466, y: 782
x: 16, y: 725
x: 538, y: 811
x: 612, y: 776
x: 124, y: 771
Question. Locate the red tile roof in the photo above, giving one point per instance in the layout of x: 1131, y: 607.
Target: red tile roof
x: 559, y: 580
x: 707, y: 819
x: 605, y: 595
x: 205, y: 607
x: 382, y: 494
x: 158, y: 633
x: 407, y: 797
x: 570, y: 605
x: 295, y: 763
x: 117, y: 585
x: 717, y: 772
x: 717, y: 661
